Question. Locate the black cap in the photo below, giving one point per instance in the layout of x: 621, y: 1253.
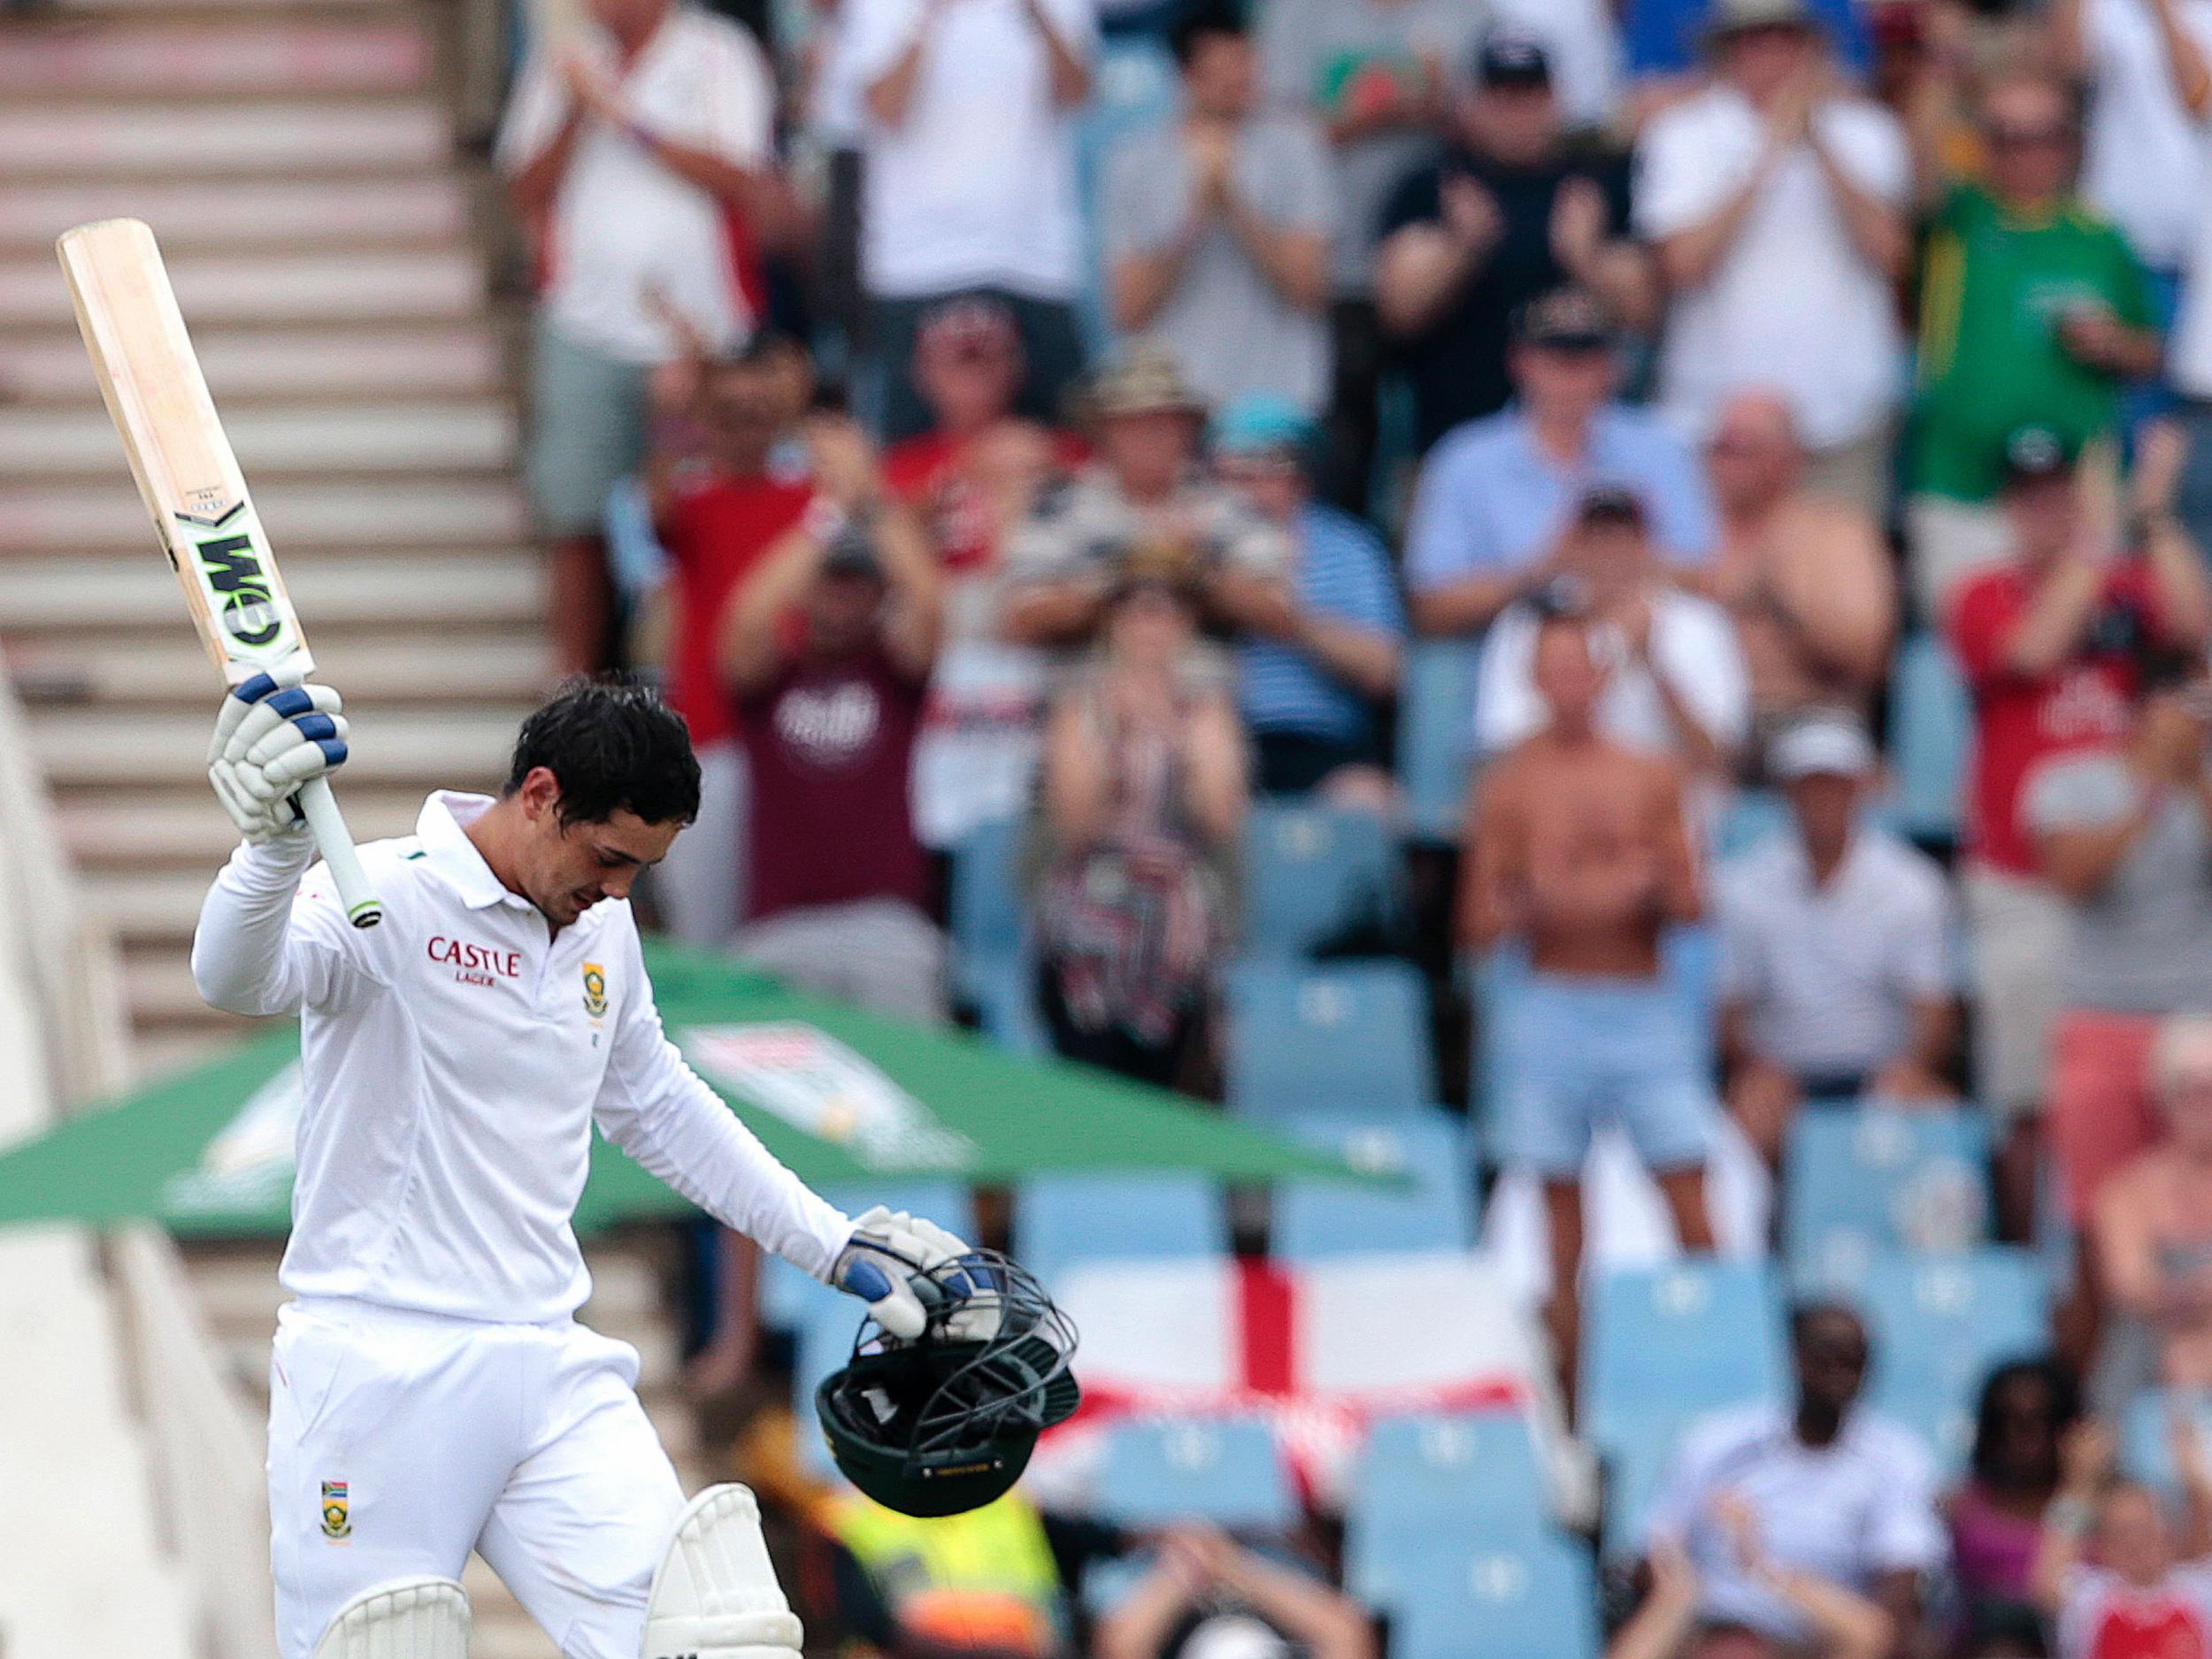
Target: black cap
x: 852, y: 553
x: 1565, y: 320
x: 1512, y: 60
x: 1610, y: 503
x: 2035, y: 453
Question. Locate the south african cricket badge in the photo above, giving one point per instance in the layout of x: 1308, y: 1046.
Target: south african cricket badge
x: 337, y: 1522
x: 595, y: 990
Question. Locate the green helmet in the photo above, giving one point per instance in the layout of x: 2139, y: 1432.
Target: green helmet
x: 946, y: 1422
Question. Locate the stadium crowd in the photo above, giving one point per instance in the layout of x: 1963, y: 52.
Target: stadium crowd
x: 1715, y: 494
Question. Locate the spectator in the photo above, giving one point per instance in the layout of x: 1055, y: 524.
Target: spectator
x: 1836, y: 977
x: 1511, y: 211
x: 637, y: 157
x: 1144, y: 495
x: 2051, y: 642
x: 1374, y: 72
x: 2149, y: 1591
x: 983, y: 1583
x: 1776, y: 203
x: 971, y: 478
x: 2152, y: 1231
x: 1581, y: 854
x: 1216, y: 227
x: 1996, y: 1515
x: 1843, y: 1626
x: 828, y: 704
x: 1834, y: 1492
x: 1144, y: 798
x: 1497, y: 495
x: 718, y: 518
x: 2033, y: 311
x: 970, y: 187
x: 1661, y: 38
x: 1208, y: 1597
x: 1581, y: 42
x: 1807, y: 579
x: 1311, y: 698
x: 2145, y: 65
x: 2125, y: 838
x: 1675, y: 681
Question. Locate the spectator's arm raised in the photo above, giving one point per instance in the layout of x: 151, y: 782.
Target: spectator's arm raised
x: 2085, y: 1464
x: 914, y: 621
x: 1422, y: 267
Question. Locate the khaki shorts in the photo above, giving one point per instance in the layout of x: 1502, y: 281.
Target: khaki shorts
x: 2018, y: 930
x: 586, y: 430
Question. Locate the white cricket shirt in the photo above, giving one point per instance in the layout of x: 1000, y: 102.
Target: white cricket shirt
x: 453, y: 1062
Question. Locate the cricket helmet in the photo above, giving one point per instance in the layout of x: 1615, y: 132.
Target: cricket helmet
x: 946, y: 1422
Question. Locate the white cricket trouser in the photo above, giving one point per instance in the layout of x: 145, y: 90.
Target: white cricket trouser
x: 399, y: 1441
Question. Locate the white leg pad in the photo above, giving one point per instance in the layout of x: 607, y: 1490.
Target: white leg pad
x: 407, y: 1618
x: 716, y: 1595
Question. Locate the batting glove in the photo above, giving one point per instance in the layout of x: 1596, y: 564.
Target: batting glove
x: 274, y: 733
x: 891, y: 1263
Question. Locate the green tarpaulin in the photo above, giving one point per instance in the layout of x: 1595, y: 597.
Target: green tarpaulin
x: 845, y: 1098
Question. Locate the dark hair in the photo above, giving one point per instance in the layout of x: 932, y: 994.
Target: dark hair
x: 1206, y: 16
x: 615, y: 747
x: 1803, y: 1313
x: 2065, y: 1394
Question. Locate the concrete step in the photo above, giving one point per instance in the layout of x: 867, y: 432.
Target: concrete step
x: 389, y: 747
x: 159, y: 1051
x: 377, y: 670
x: 432, y: 284
x: 451, y: 592
x: 186, y: 215
x: 188, y: 832
x: 251, y: 139
x: 301, y: 517
x: 409, y: 359
x: 62, y: 57
x: 277, y: 441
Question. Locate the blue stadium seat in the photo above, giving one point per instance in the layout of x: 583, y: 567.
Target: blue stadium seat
x: 1321, y: 1035
x: 2145, y: 1429
x: 786, y: 1292
x: 1315, y: 1218
x: 1662, y: 1345
x: 1931, y: 733
x: 1159, y: 1470
x: 1635, y: 1470
x: 1311, y: 874
x: 1436, y: 736
x: 1939, y: 1325
x: 1859, y: 1180
x: 1459, y: 1481
x: 1513, y: 1599
x: 1061, y: 1221
x: 1750, y: 817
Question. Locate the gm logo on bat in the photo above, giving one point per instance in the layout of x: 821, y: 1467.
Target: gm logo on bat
x: 234, y: 572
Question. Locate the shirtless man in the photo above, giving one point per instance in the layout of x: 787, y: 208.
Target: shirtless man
x: 1581, y: 853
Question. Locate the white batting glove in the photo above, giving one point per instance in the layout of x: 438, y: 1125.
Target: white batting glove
x: 274, y: 735
x: 888, y: 1265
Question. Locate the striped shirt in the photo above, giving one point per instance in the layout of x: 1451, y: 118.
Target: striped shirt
x: 1341, y: 573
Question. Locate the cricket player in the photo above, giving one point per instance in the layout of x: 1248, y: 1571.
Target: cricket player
x: 431, y: 1391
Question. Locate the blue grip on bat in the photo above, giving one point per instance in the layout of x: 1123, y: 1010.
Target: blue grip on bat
x: 316, y: 726
x: 292, y: 700
x: 253, y: 690
x: 333, y: 750
x: 867, y: 1281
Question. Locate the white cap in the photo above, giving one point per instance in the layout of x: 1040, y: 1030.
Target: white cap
x: 1234, y: 1636
x: 1830, y: 744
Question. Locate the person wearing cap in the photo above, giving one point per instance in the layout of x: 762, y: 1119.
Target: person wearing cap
x: 1498, y: 495
x: 2053, y: 644
x: 2034, y: 312
x: 2124, y: 835
x: 1205, y: 1596
x: 1837, y: 980
x: 1777, y: 201
x: 827, y: 650
x: 1311, y: 697
x: 1511, y: 209
x: 1216, y: 226
x: 1676, y: 684
x: 1144, y: 490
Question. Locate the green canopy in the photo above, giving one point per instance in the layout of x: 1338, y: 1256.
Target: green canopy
x: 847, y: 1098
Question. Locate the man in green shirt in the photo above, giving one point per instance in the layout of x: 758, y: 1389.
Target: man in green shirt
x: 2032, y: 313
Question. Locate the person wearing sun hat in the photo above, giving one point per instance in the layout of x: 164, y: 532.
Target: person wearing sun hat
x: 1145, y: 490
x: 1309, y: 696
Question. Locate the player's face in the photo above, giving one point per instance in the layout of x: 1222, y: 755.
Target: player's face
x: 574, y: 866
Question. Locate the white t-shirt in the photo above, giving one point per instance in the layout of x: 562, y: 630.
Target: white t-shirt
x: 1692, y: 644
x: 453, y: 1063
x: 976, y: 186
x: 1791, y: 306
x: 623, y: 226
x: 2143, y: 160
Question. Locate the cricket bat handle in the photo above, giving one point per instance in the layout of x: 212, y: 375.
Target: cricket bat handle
x: 319, y: 808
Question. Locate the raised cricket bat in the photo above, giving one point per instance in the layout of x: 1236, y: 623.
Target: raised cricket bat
x: 190, y: 482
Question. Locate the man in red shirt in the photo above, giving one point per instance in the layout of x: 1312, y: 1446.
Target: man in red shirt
x: 718, y: 514
x: 2052, y: 642
x: 829, y: 651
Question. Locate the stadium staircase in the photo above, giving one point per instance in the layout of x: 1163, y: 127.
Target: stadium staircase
x: 296, y: 159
